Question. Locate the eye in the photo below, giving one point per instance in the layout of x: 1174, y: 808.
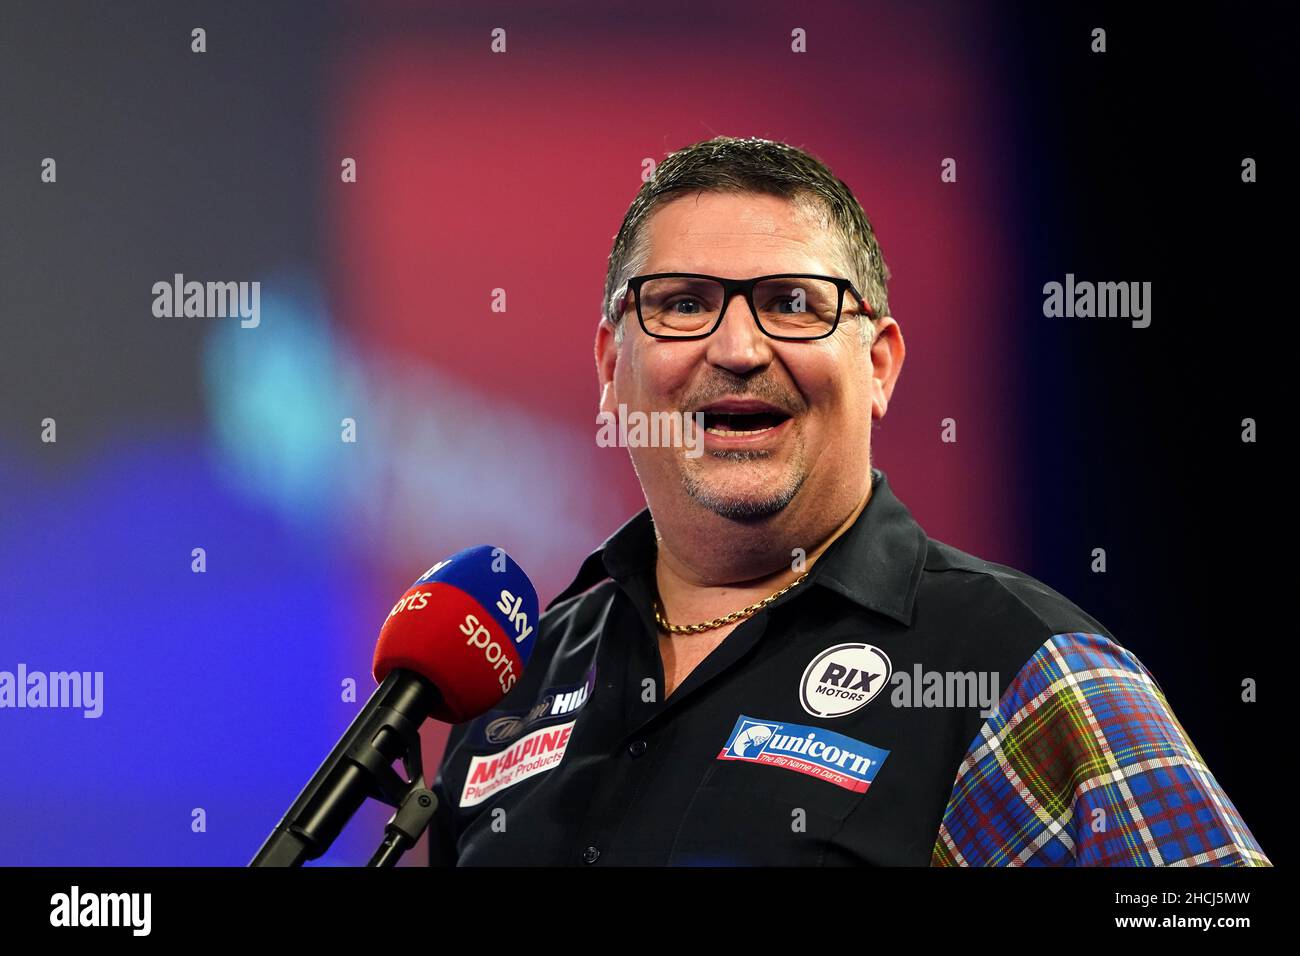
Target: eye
x: 686, y: 302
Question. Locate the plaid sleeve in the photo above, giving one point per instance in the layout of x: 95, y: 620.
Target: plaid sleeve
x: 1085, y: 764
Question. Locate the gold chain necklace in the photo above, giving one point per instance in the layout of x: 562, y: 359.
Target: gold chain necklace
x: 742, y: 614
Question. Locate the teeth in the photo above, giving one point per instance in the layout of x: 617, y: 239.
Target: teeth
x: 732, y: 434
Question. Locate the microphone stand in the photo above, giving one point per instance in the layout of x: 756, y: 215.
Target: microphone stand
x: 405, y: 826
x: 361, y: 766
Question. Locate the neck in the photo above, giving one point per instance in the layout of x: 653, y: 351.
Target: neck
x: 707, y: 565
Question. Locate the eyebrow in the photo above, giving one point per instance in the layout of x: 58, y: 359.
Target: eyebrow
x: 706, y: 272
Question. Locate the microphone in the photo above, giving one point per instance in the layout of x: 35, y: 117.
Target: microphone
x: 451, y: 648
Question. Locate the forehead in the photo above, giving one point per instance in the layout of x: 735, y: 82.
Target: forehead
x: 738, y: 235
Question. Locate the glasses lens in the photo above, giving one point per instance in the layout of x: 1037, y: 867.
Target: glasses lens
x: 680, y: 305
x: 797, y: 307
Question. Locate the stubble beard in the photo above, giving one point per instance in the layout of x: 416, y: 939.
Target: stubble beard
x: 744, y: 507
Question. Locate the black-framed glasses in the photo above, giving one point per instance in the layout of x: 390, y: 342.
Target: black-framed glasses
x: 791, y: 306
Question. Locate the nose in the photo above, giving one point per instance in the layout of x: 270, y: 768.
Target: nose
x: 738, y: 344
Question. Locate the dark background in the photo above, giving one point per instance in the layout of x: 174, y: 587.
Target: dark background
x: 1133, y: 168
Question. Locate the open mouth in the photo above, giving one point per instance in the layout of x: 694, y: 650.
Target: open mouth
x: 741, y: 424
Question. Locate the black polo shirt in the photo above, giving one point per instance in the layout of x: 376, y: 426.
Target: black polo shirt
x: 792, y: 743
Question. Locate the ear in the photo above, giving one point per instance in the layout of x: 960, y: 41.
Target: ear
x: 607, y: 353
x: 887, y: 354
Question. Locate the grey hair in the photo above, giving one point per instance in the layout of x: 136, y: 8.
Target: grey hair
x: 750, y: 165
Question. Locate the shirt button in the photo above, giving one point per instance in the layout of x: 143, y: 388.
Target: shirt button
x: 636, y: 748
x: 590, y: 855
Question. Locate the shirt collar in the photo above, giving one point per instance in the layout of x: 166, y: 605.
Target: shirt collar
x: 876, y: 563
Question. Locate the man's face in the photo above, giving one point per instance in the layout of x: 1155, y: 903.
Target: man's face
x: 803, y: 410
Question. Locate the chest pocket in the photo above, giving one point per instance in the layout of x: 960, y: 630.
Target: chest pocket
x: 753, y: 814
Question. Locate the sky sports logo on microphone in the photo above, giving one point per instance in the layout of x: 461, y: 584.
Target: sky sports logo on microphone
x: 493, y: 650
x: 508, y: 603
x: 468, y: 624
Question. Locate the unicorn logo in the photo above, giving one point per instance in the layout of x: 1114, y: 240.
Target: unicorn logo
x: 753, y: 737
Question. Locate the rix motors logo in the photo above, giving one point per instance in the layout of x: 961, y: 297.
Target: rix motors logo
x: 843, y: 679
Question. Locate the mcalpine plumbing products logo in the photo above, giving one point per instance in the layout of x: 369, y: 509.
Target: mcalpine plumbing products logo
x: 71, y: 690
x: 1100, y: 300
x: 536, y: 753
x: 209, y: 300
x: 814, y: 751
x: 637, y: 429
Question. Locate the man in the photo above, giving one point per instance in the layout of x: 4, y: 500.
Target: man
x: 773, y: 664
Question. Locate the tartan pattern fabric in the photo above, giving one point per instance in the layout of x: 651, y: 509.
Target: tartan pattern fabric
x: 1084, y: 764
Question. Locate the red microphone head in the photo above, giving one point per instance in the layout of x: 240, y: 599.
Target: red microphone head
x: 468, y: 626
